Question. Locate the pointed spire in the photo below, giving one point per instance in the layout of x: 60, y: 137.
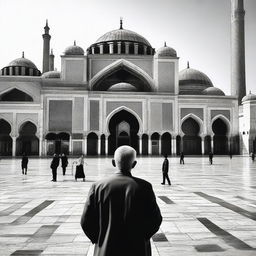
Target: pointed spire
x: 74, y: 42
x: 121, y: 23
x: 23, y: 55
x: 188, y: 65
x: 46, y: 28
x: 165, y: 44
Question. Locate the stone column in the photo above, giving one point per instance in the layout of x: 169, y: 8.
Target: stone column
x: 13, y: 146
x: 136, y: 48
x: 119, y: 47
x: 140, y: 144
x: 40, y: 146
x: 45, y: 147
x: 10, y: 71
x: 181, y: 144
x: 174, y: 146
x: 127, y: 45
x: 85, y: 145
x: 23, y: 71
x: 149, y: 146
x: 145, y: 49
x: 111, y: 47
x: 93, y: 50
x: 70, y: 145
x: 229, y: 143
x: 31, y: 71
x: 99, y: 146
x: 238, y: 83
x: 202, y: 145
x: 160, y: 146
x: 101, y: 48
x: 212, y: 144
x: 106, y: 145
x: 17, y: 71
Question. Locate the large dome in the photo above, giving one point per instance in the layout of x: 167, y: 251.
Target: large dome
x: 192, y: 81
x: 22, y: 62
x: 121, y: 41
x: 20, y: 67
x: 123, y: 35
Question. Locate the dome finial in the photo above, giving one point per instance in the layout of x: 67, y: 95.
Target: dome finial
x: 165, y: 44
x: 121, y: 23
x: 23, y: 54
x: 188, y: 65
x: 74, y: 42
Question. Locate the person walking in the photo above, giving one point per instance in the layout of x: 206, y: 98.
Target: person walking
x: 210, y: 157
x: 253, y: 156
x: 165, y: 169
x: 182, y: 158
x: 54, y: 165
x: 80, y: 168
x: 121, y: 213
x: 24, y: 164
x: 230, y: 154
x: 64, y: 163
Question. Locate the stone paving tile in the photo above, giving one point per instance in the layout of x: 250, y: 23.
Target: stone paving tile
x: 41, y: 217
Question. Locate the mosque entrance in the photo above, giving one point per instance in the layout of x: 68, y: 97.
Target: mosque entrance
x: 57, y: 143
x: 191, y: 139
x: 5, y: 138
x: 220, y: 140
x: 123, y: 127
x: 27, y: 142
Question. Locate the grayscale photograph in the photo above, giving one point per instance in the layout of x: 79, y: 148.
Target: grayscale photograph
x: 128, y: 128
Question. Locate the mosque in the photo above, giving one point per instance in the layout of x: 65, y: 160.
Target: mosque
x: 121, y: 91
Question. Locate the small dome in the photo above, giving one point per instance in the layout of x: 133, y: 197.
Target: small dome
x: 123, y: 87
x: 74, y: 50
x: 22, y: 62
x: 213, y: 91
x: 51, y: 74
x: 249, y: 97
x: 166, y: 51
x: 192, y: 81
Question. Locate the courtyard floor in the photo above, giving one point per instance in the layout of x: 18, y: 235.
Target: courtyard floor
x: 208, y: 210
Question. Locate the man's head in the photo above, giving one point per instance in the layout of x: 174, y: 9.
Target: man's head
x: 124, y: 158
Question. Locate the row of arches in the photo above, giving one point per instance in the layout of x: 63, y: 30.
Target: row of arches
x: 27, y: 141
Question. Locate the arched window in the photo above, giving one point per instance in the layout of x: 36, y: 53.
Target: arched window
x: 15, y: 95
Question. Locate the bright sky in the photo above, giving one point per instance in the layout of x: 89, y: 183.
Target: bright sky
x: 199, y: 30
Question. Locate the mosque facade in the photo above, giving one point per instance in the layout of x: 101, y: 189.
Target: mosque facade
x: 120, y: 91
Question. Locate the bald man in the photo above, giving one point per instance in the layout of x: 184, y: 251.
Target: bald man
x: 121, y: 214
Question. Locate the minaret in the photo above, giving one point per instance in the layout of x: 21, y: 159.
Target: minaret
x: 46, y: 48
x: 238, y: 82
x: 51, y: 61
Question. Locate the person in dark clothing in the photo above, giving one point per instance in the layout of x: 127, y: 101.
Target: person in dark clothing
x: 54, y: 165
x: 121, y: 214
x: 24, y: 164
x: 165, y: 169
x: 230, y: 154
x: 253, y: 156
x: 64, y: 163
x: 182, y: 158
x: 210, y: 157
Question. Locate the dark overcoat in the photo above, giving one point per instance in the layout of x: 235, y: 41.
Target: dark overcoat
x: 24, y: 162
x: 55, y: 162
x: 64, y: 161
x: 165, y: 167
x: 120, y: 216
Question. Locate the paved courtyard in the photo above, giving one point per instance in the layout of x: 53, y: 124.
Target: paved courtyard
x: 208, y: 210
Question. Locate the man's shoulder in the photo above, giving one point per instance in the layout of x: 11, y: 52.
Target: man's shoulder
x: 117, y: 179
